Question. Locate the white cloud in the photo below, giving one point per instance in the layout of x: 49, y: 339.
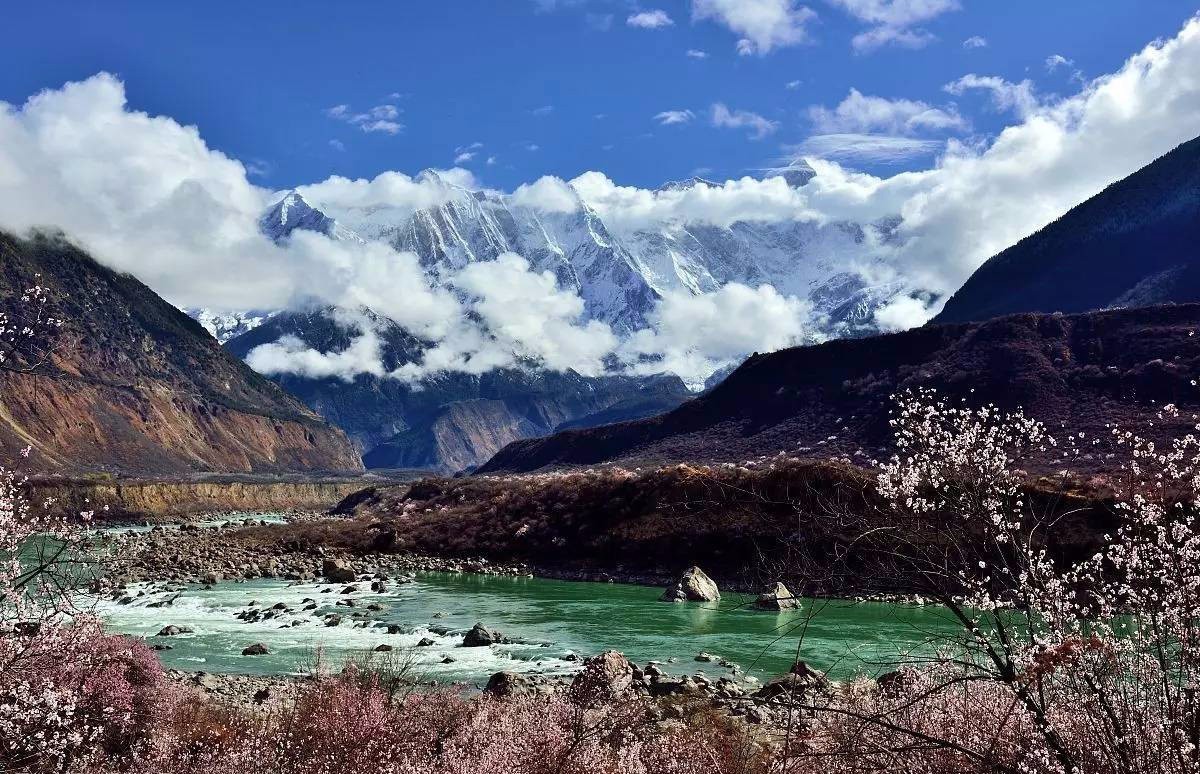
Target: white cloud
x: 895, y: 21
x: 627, y: 208
x: 870, y: 148
x: 1018, y: 97
x: 724, y: 118
x: 668, y: 117
x: 696, y: 53
x: 692, y: 335
x: 975, y: 41
x: 976, y: 202
x: 544, y: 110
x: 650, y: 20
x: 861, y: 113
x: 464, y: 157
x: 763, y: 25
x: 381, y: 118
x: 902, y: 313
x: 792, y: 85
x: 547, y: 194
x: 337, y: 145
x: 1055, y: 61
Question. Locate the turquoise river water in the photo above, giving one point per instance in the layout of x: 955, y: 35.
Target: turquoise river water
x: 547, y: 619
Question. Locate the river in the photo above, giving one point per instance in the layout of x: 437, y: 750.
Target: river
x: 548, y: 619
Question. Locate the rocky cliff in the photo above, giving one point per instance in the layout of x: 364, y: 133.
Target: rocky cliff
x: 128, y: 384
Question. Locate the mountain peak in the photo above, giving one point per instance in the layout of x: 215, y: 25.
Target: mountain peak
x: 795, y: 174
x: 686, y: 184
x: 294, y: 212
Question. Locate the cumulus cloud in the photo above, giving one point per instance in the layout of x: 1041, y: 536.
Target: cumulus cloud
x: 381, y: 118
x: 1006, y: 95
x: 696, y: 53
x: 692, y: 335
x: 759, y: 127
x: 668, y: 117
x: 862, y: 113
x: 977, y: 201
x: 650, y: 20
x: 895, y: 22
x: 763, y: 25
x: 975, y: 41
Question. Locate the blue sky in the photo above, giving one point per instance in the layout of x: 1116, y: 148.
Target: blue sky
x: 573, y: 78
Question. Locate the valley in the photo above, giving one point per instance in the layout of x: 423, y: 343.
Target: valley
x: 739, y: 387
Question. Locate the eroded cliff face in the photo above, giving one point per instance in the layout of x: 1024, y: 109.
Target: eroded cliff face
x: 114, y: 501
x: 130, y: 385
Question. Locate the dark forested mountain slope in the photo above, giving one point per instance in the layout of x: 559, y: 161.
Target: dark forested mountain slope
x: 1082, y: 371
x: 134, y: 386
x: 1136, y: 243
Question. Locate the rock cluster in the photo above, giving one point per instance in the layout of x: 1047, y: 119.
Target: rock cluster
x: 208, y: 555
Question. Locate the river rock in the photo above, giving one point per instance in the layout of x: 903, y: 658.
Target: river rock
x: 337, y: 571
x: 693, y: 586
x: 425, y: 642
x: 776, y: 598
x: 602, y: 679
x: 505, y: 685
x: 481, y: 636
x: 801, y: 681
x: 172, y: 630
x: 257, y: 649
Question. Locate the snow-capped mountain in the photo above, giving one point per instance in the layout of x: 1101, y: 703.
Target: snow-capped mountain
x: 227, y: 325
x: 619, y: 274
x: 293, y: 212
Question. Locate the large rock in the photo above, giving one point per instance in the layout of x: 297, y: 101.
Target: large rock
x: 337, y: 571
x: 777, y: 597
x: 172, y: 630
x: 257, y: 649
x: 693, y: 586
x: 603, y: 678
x: 481, y: 636
x: 505, y: 685
x: 802, y: 682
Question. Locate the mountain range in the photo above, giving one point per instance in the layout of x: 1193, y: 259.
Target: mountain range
x: 456, y: 421
x: 1085, y: 372
x: 1127, y: 249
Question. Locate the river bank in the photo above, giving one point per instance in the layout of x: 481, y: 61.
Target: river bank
x: 115, y: 500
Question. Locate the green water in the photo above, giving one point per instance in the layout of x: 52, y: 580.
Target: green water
x: 549, y: 619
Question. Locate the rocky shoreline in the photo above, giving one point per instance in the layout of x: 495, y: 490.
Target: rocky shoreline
x: 190, y: 552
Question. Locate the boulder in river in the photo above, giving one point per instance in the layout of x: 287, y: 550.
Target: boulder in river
x: 337, y: 571
x: 172, y: 630
x: 257, y: 649
x: 777, y: 597
x: 693, y: 586
x: 425, y: 642
x: 481, y: 636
